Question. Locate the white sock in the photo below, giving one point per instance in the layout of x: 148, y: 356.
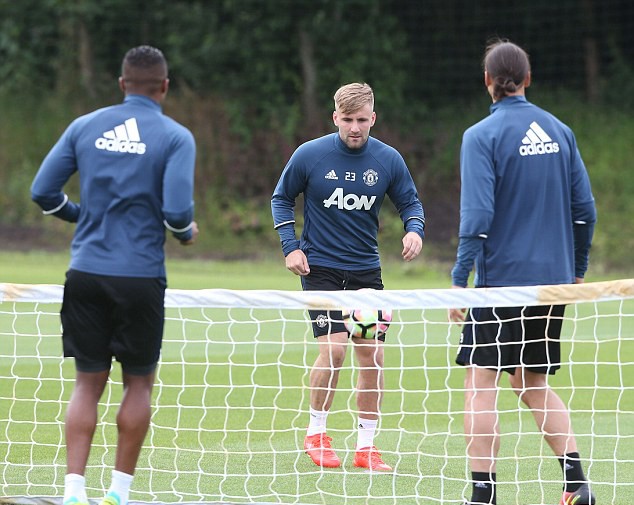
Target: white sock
x: 317, y: 422
x: 366, y: 431
x: 75, y: 487
x: 120, y: 486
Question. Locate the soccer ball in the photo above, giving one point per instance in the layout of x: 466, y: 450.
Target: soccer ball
x: 367, y: 323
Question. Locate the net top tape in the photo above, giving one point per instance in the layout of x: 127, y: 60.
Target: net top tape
x: 395, y: 299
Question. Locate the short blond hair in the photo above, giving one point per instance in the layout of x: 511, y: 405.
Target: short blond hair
x: 352, y: 97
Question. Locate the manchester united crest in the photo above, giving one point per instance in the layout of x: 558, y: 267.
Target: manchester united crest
x: 370, y: 177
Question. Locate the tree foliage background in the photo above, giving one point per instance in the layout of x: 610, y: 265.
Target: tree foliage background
x: 254, y: 78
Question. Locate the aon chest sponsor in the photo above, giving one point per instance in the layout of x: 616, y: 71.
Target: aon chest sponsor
x: 349, y: 201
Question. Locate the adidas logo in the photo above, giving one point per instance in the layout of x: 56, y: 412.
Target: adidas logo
x: 331, y: 176
x: 124, y: 138
x: 537, y: 141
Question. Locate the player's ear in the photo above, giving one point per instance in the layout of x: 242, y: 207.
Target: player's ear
x: 527, y: 80
x: 334, y: 117
x: 373, y: 118
x: 488, y: 83
x: 165, y: 85
x: 121, y: 84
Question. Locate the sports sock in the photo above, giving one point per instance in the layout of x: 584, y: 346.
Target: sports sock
x: 317, y: 422
x: 366, y: 430
x: 75, y: 487
x: 573, y: 473
x: 483, y: 488
x: 120, y: 486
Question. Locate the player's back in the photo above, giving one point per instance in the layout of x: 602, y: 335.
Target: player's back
x: 530, y: 238
x: 121, y: 154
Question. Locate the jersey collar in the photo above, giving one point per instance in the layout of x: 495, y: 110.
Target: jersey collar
x: 508, y: 101
x: 142, y: 100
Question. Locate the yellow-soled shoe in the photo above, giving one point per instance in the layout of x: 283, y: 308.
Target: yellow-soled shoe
x: 111, y: 499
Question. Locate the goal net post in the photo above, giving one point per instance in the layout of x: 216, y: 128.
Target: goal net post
x: 230, y: 405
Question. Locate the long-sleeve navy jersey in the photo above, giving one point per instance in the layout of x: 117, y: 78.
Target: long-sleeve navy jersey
x: 136, y: 175
x: 527, y: 210
x: 343, y: 192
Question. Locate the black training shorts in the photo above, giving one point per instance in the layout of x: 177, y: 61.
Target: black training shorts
x: 326, y: 322
x: 505, y: 338
x: 105, y: 317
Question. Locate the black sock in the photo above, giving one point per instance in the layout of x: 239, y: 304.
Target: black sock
x: 573, y: 473
x: 483, y: 488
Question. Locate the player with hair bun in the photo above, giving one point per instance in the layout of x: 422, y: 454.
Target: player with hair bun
x: 527, y: 218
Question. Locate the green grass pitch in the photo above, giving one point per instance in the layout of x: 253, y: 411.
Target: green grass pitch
x: 231, y: 406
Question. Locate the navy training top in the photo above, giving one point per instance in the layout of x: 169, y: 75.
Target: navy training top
x: 136, y: 175
x: 343, y: 192
x: 527, y: 210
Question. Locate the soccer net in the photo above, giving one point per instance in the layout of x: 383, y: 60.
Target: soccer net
x: 231, y: 400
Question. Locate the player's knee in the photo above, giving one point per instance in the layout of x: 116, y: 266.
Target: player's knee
x: 528, y: 387
x: 517, y: 384
x: 332, y: 356
x: 372, y: 361
x: 369, y: 355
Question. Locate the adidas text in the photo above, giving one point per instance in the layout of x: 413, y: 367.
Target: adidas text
x: 533, y: 149
x: 537, y: 141
x: 124, y: 138
x: 121, y: 146
x: 350, y: 201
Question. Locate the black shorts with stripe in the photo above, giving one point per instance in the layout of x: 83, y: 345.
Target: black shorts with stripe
x: 504, y: 338
x: 326, y: 322
x: 106, y: 316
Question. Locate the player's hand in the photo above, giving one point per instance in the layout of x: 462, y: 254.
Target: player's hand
x: 579, y: 280
x: 456, y: 315
x: 194, y: 235
x: 412, y: 245
x: 297, y: 262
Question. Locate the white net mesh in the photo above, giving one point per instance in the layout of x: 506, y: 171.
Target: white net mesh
x: 231, y: 400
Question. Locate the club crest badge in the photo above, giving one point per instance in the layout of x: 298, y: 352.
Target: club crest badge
x: 370, y: 177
